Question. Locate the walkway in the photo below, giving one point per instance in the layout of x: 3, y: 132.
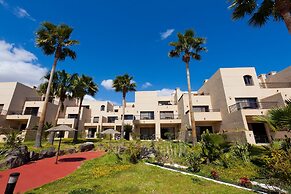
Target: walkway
x: 36, y: 174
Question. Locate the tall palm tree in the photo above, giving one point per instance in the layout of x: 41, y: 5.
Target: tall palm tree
x: 261, y: 11
x: 124, y: 84
x: 188, y: 46
x: 83, y: 85
x: 53, y: 40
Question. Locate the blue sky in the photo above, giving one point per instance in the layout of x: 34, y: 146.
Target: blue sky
x: 118, y: 37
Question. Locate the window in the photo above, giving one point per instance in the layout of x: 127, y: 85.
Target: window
x: 91, y: 132
x: 246, y: 103
x: 95, y: 119
x: 200, y: 108
x: 147, y: 115
x: 72, y: 116
x: 112, y: 119
x: 128, y: 117
x: 166, y: 115
x: 162, y: 103
x: 102, y: 108
x: 31, y: 111
x: 248, y: 80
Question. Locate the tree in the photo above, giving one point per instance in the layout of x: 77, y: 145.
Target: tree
x: 278, y: 119
x: 261, y: 11
x: 124, y: 83
x: 53, y: 40
x: 83, y: 85
x: 61, y: 87
x: 188, y: 46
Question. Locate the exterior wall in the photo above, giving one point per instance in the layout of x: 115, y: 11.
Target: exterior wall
x: 218, y: 93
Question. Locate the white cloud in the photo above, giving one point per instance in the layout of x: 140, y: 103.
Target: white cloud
x: 18, y: 64
x: 146, y: 85
x: 165, y: 92
x: 22, y: 13
x: 107, y: 84
x: 166, y: 34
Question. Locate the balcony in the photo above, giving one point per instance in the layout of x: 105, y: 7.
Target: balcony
x: 26, y: 112
x: 276, y: 85
x: 252, y: 105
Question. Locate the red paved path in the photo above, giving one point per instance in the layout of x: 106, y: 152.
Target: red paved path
x: 38, y: 173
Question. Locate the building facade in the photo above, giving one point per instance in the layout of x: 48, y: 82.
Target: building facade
x: 228, y: 103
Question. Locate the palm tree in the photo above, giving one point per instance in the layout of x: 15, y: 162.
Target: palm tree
x: 42, y: 88
x: 83, y: 85
x: 53, y: 40
x: 188, y: 46
x: 278, y: 119
x: 261, y: 11
x: 64, y: 88
x: 62, y: 84
x: 124, y: 84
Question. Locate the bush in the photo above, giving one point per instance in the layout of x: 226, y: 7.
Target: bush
x: 241, y: 151
x: 279, y: 165
x: 14, y: 140
x: 213, y: 146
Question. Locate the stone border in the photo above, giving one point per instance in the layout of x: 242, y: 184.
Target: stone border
x: 202, y: 177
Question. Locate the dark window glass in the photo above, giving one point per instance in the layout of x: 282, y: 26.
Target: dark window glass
x: 248, y: 80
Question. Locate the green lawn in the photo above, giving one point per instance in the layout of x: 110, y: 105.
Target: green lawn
x: 108, y: 175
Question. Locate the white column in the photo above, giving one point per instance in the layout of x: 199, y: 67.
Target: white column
x: 158, y: 131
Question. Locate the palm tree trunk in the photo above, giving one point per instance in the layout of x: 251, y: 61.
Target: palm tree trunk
x: 52, y: 134
x: 58, y: 114
x: 123, y: 112
x: 287, y: 19
x: 193, y: 126
x: 78, y: 121
x: 283, y: 6
x: 43, y: 113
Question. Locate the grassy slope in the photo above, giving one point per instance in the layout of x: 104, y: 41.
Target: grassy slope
x: 128, y: 178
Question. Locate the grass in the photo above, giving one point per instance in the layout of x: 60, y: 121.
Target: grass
x: 108, y: 175
x: 233, y: 173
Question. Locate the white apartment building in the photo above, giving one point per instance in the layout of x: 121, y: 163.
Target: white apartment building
x: 226, y: 103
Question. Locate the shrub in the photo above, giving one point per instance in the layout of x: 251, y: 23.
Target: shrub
x: 241, y: 151
x: 213, y: 146
x: 279, y: 165
x: 194, y: 161
x: 14, y: 140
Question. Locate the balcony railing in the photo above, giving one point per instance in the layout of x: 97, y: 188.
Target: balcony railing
x: 23, y: 113
x: 205, y: 110
x: 276, y: 85
x: 169, y: 116
x: 252, y: 105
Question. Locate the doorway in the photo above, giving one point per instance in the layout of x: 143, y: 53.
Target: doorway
x: 259, y: 131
